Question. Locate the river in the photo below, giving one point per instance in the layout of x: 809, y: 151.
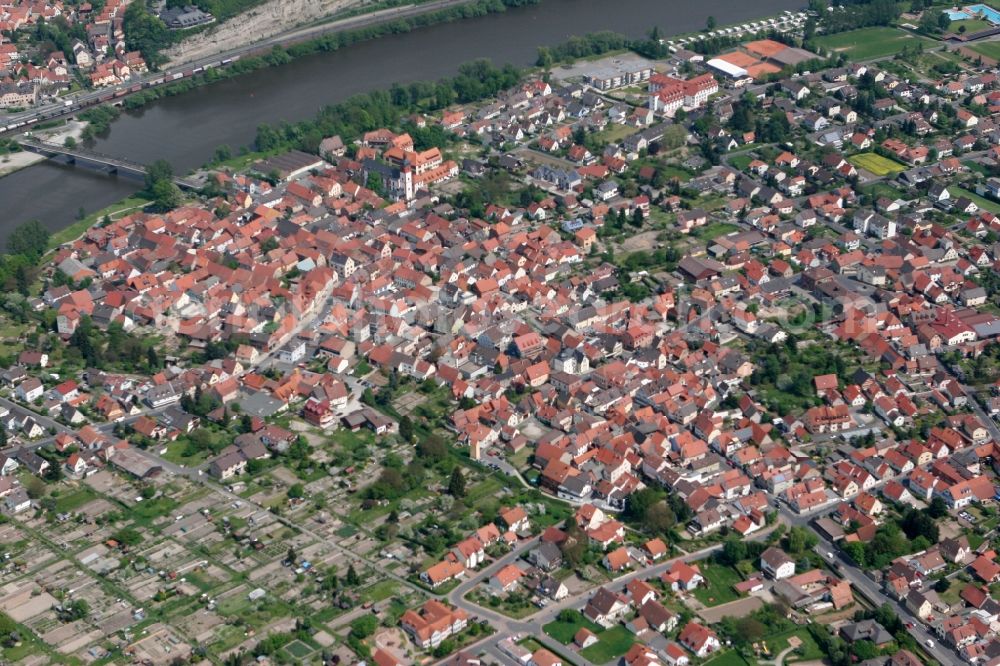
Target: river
x: 186, y: 129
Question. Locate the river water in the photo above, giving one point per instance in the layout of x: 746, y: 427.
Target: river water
x: 186, y: 129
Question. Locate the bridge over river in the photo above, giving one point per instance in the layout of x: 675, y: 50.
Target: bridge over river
x: 92, y: 159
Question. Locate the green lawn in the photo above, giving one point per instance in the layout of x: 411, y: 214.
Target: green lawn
x: 711, y: 204
x: 380, y: 591
x: 985, y: 204
x: 490, y: 487
x: 176, y: 454
x: 610, y: 645
x: 810, y: 650
x: 731, y: 658
x: 971, y: 26
x: 353, y: 440
x: 714, y: 230
x: 150, y: 509
x: 671, y: 171
x: 613, y: 133
x: 870, y: 43
x: 740, y: 162
x: 951, y: 595
x: 988, y: 49
x: 876, y: 164
x: 115, y: 210
x: 718, y: 587
x: 884, y: 189
x: 520, y: 459
x: 298, y: 649
x: 30, y: 646
x: 515, y: 607
x: 978, y: 167
x: 565, y: 631
x: 74, y: 500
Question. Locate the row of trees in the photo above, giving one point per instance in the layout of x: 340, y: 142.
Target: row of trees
x: 595, y: 43
x: 475, y: 81
x: 860, y: 14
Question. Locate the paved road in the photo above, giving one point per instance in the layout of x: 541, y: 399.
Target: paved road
x: 870, y: 590
x: 862, y: 583
x: 44, y: 421
x: 532, y: 625
x: 977, y: 409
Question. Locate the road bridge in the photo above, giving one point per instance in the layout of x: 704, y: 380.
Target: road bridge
x: 92, y: 159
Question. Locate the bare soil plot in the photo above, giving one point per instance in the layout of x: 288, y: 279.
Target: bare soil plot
x: 738, y: 608
x: 645, y: 240
x: 24, y: 606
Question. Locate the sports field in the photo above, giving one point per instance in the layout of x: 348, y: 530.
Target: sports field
x: 870, y: 43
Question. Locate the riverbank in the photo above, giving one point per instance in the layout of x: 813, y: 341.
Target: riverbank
x: 303, y: 45
x: 112, y: 212
x: 273, y: 17
x: 323, y: 36
x: 13, y: 162
x: 186, y: 129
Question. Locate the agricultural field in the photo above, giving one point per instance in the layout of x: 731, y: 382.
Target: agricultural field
x: 876, y: 164
x: 871, y: 43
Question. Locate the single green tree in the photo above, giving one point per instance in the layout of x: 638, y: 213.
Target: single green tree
x: 456, y: 486
x: 152, y: 359
x: 406, y: 429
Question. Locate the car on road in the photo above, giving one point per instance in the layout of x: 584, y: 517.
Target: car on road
x: 930, y: 642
